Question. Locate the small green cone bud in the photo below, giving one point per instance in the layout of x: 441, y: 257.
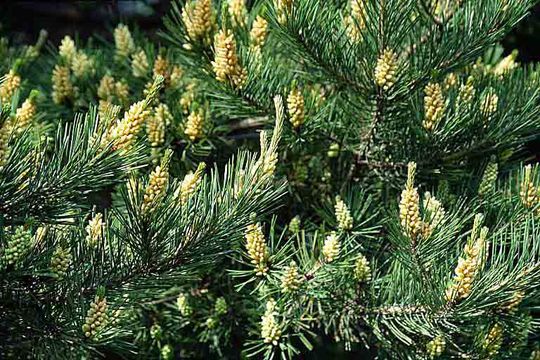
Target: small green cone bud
x: 183, y: 305
x: 301, y: 172
x: 60, y: 261
x: 294, y: 225
x: 166, y: 352
x: 362, y: 271
x: 333, y: 150
x: 18, y: 246
x: 96, y: 317
x: 493, y: 341
x: 156, y: 332
x: 221, y: 307
x: 511, y: 306
x: 489, y: 178
x: 211, y: 322
x: 436, y: 347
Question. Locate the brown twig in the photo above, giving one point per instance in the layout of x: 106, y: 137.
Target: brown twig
x: 379, y: 164
x: 249, y: 123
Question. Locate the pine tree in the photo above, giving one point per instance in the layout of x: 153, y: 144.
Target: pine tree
x: 390, y: 208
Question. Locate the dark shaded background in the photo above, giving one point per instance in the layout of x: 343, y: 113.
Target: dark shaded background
x: 22, y: 20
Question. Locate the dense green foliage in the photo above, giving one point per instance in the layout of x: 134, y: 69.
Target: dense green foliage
x: 273, y: 178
